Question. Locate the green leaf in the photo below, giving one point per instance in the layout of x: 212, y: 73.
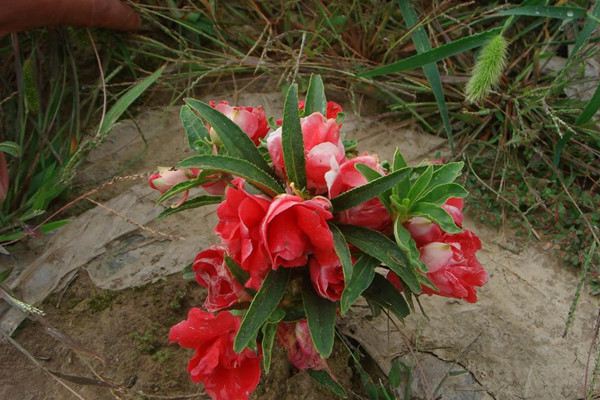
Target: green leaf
x: 371, y: 175
x: 236, y: 271
x: 269, y: 329
x: 385, y: 295
x: 180, y: 188
x: 125, y: 101
x: 263, y: 304
x: 196, y: 202
x: 342, y: 251
x: 195, y: 130
x: 315, y: 96
x: 545, y: 11
x: 399, y: 161
x: 188, y: 272
x: 420, y: 184
x: 380, y: 247
x: 422, y: 45
x: 436, y: 214
x: 235, y: 140
x: 439, y: 194
x: 362, y: 276
x: 447, y: 173
x: 320, y: 314
x: 590, y: 108
x: 10, y: 148
x: 366, y: 192
x: 435, y: 55
x: 323, y: 378
x: 292, y: 141
x: 237, y: 167
x: 405, y: 241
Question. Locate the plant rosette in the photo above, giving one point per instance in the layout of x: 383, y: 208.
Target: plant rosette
x: 307, y: 227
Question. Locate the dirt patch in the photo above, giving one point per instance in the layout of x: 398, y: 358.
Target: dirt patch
x: 128, y: 329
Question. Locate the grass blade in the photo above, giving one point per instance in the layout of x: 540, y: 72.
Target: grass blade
x: 126, y: 100
x: 546, y: 12
x: 590, y: 108
x: 587, y: 30
x: 431, y: 71
x: 434, y: 55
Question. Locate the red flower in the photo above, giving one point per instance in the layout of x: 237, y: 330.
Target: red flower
x: 240, y: 216
x: 294, y: 337
x: 395, y: 280
x: 251, y: 120
x: 370, y: 214
x: 327, y: 279
x: 226, y: 375
x: 332, y: 111
x: 323, y: 149
x: 166, y: 178
x: 294, y: 229
x: 453, y: 267
x: 212, y: 273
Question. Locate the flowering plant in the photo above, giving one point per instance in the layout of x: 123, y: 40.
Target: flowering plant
x: 307, y: 227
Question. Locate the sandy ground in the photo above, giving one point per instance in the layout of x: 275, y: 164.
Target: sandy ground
x: 509, y: 345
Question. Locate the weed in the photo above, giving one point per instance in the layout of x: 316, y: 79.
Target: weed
x: 101, y: 301
x: 147, y: 342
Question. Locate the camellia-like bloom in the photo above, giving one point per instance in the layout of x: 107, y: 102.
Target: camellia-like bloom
x: 240, y: 217
x: 295, y: 229
x: 251, y: 120
x: 295, y: 338
x: 370, y: 214
x: 424, y: 231
x: 212, y: 273
x: 328, y: 280
x: 226, y: 375
x: 453, y: 266
x: 323, y: 149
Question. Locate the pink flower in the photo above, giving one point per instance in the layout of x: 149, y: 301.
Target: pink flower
x: 453, y: 267
x: 370, y: 214
x: 327, y: 279
x: 323, y: 149
x: 240, y: 217
x: 251, y: 120
x: 454, y: 207
x: 294, y: 337
x: 226, y: 375
x: 212, y: 273
x: 294, y: 229
x: 424, y: 231
x: 166, y: 178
